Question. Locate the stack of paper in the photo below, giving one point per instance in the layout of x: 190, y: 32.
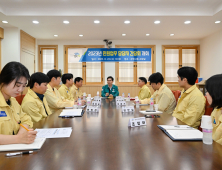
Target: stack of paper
x: 54, y: 132
x: 181, y: 132
x: 71, y: 113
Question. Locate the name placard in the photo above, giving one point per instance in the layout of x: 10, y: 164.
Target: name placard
x: 140, y: 121
x: 128, y: 109
x: 121, y: 103
x: 92, y: 109
x: 97, y: 98
x: 96, y: 103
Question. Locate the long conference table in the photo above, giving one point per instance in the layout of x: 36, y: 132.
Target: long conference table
x: 103, y: 141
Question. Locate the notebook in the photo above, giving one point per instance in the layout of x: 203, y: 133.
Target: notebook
x: 71, y: 113
x: 37, y: 144
x: 181, y: 132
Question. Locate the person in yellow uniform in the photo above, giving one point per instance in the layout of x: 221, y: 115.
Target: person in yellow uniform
x: 144, y: 90
x: 52, y: 95
x: 13, y: 79
x: 34, y: 102
x: 162, y: 96
x: 75, y: 89
x: 64, y: 90
x: 191, y: 103
x: 214, y: 98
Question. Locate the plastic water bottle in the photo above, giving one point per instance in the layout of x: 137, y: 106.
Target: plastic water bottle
x: 97, y: 93
x: 88, y: 101
x: 128, y: 95
x: 207, y: 136
x: 151, y: 104
x: 123, y: 95
x: 79, y: 103
x: 84, y: 96
x: 137, y: 103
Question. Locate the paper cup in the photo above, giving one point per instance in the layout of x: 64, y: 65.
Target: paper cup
x: 156, y: 107
x: 206, y: 122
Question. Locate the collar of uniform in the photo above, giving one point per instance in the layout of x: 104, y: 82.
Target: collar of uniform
x: 109, y: 87
x: 75, y: 87
x: 144, y: 86
x: 64, y: 86
x: 2, y: 100
x: 32, y: 93
x: 49, y: 88
x: 190, y: 89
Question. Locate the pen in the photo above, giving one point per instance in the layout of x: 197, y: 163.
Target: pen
x: 183, y: 127
x: 18, y: 153
x: 22, y: 125
x: 67, y: 116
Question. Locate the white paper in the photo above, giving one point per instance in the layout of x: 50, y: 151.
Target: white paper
x: 151, y: 113
x: 177, y: 127
x: 54, y: 132
x: 37, y: 144
x: 185, y: 134
x: 71, y: 112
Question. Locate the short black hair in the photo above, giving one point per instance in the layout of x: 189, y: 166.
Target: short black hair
x: 156, y: 78
x: 39, y: 78
x: 213, y: 86
x: 110, y: 77
x: 78, y: 79
x: 53, y: 73
x: 66, y: 76
x: 13, y: 71
x: 143, y: 79
x: 189, y: 73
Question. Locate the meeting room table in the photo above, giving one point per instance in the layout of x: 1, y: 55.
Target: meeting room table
x: 103, y: 141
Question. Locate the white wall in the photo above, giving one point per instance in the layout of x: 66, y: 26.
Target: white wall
x: 110, y: 67
x: 10, y: 45
x: 211, y: 55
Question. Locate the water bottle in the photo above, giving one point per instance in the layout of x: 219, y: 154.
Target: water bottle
x: 129, y: 95
x: 123, y: 95
x: 137, y: 103
x: 207, y: 136
x: 79, y: 104
x: 84, y: 96
x: 151, y: 104
x: 88, y: 101
x: 98, y: 93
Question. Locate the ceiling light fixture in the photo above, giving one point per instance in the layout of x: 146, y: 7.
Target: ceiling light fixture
x: 55, y: 35
x: 81, y: 35
x: 96, y: 21
x: 5, y: 22
x: 127, y: 22
x: 187, y: 22
x: 156, y: 22
x: 217, y: 22
x: 35, y: 22
x: 123, y: 34
x: 66, y: 22
x: 147, y: 34
x: 171, y: 34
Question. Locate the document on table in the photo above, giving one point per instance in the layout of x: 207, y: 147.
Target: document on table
x: 54, y: 132
x: 37, y: 144
x: 71, y: 112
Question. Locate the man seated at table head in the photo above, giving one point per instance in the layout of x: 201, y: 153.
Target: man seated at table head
x: 52, y: 95
x: 162, y: 96
x: 34, y: 102
x: 144, y: 90
x: 64, y: 90
x: 110, y: 90
x: 191, y: 103
x: 75, y: 89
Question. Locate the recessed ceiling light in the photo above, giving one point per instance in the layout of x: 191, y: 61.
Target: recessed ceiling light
x: 171, y: 34
x: 187, y: 22
x: 35, y: 22
x: 147, y: 34
x: 156, y: 22
x: 81, y: 35
x: 96, y: 21
x: 55, y: 35
x: 5, y: 22
x: 217, y: 22
x: 127, y: 22
x: 66, y: 22
x: 123, y: 34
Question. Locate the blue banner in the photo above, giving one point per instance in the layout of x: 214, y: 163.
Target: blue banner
x: 116, y: 55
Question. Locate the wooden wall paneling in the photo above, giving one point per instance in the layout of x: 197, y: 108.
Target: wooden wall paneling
x: 1, y: 33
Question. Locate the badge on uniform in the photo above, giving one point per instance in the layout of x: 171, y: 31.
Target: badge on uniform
x: 3, y: 114
x: 214, y: 121
x: 67, y: 91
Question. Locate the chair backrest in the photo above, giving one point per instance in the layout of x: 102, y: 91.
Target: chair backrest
x: 176, y: 94
x: 208, y: 109
x: 19, y: 98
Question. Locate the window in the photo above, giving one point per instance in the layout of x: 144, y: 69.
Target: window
x: 48, y: 58
x: 91, y: 72
x: 175, y: 57
x: 129, y: 72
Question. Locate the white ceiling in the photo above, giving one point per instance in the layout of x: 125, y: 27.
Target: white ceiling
x: 112, y: 14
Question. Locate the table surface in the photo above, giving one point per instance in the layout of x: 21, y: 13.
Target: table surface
x: 103, y: 141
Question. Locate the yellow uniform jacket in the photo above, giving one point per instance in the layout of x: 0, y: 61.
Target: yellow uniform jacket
x: 34, y: 107
x: 55, y: 100
x: 11, y: 115
x: 76, y: 92
x: 144, y: 93
x: 65, y: 92
x: 190, y: 107
x: 164, y: 98
x: 216, y: 117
